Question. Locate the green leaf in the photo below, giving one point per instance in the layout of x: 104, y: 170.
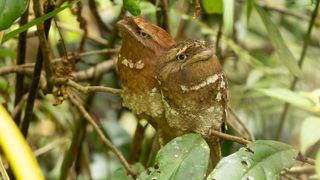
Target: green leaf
x: 35, y: 22
x: 310, y: 133
x: 212, y: 6
x: 10, y: 11
x: 262, y: 159
x: 249, y: 5
x: 132, y: 6
x: 281, y: 48
x: 228, y: 15
x: 290, y: 97
x: 182, y: 158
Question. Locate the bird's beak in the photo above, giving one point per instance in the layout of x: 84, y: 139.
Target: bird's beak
x: 202, y: 56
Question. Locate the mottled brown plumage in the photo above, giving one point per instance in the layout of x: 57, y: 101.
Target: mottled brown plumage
x: 142, y: 44
x: 194, y: 91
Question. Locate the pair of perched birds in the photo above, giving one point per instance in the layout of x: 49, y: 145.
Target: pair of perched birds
x: 178, y: 87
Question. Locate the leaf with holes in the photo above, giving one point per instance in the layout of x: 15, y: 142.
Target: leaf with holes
x: 262, y: 159
x: 182, y: 158
x: 10, y: 11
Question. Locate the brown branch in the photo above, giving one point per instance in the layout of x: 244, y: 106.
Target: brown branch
x: 105, y: 141
x: 197, y: 9
x: 44, y: 45
x: 86, y: 89
x: 35, y: 80
x: 93, y: 71
x: 83, y: 25
x: 24, y: 68
x: 301, y: 170
x: 19, y: 105
x: 229, y: 137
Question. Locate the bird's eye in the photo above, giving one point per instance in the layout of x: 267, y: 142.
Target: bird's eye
x: 143, y: 34
x: 181, y: 57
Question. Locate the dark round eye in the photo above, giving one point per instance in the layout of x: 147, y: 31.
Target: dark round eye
x: 143, y: 34
x: 181, y: 57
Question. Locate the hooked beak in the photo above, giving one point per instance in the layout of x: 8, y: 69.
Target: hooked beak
x: 202, y: 56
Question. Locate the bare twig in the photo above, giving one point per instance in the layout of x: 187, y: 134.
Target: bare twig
x: 306, y: 159
x: 284, y: 113
x: 49, y: 147
x: 93, y: 71
x: 83, y: 25
x: 86, y: 89
x: 3, y: 172
x: 197, y: 9
x: 23, y: 68
x: 45, y: 49
x: 229, y: 137
x: 35, y: 81
x: 105, y: 141
x: 18, y: 107
x: 301, y: 169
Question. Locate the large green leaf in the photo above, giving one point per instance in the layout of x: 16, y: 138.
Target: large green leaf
x: 132, y: 6
x: 291, y: 97
x: 10, y: 10
x: 184, y: 157
x: 212, y: 6
x: 262, y: 159
x: 283, y: 52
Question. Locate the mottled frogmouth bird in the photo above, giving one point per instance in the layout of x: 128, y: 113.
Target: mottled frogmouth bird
x: 194, y: 91
x: 142, y: 44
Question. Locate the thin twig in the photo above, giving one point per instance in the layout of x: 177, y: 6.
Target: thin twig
x: 3, y: 172
x: 284, y: 113
x: 86, y: 89
x: 229, y: 137
x: 23, y: 68
x: 45, y: 49
x: 301, y: 170
x: 197, y: 9
x: 18, y: 107
x: 93, y: 71
x: 35, y: 81
x: 105, y: 141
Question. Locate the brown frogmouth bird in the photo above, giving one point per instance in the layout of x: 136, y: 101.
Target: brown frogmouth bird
x: 194, y: 91
x: 142, y: 44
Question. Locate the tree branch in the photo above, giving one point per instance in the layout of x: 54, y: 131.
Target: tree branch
x: 105, y: 141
